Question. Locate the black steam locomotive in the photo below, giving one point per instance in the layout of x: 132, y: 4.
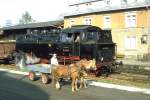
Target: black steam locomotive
x: 70, y: 44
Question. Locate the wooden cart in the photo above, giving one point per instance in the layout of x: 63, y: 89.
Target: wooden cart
x: 43, y: 69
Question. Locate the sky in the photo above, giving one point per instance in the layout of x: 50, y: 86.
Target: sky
x: 40, y: 10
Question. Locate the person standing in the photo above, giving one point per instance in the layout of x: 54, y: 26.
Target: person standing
x: 54, y: 62
x: 77, y: 39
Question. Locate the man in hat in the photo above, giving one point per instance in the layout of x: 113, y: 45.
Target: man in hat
x: 54, y: 60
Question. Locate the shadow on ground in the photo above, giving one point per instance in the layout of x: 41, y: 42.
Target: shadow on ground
x: 12, y: 88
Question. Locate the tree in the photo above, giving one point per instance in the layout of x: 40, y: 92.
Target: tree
x: 26, y: 18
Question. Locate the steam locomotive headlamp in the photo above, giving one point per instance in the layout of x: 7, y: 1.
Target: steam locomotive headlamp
x: 49, y: 45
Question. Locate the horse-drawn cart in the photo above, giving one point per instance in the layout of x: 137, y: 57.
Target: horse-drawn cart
x: 32, y: 64
x: 43, y: 69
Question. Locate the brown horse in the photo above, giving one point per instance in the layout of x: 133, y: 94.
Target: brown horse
x: 86, y: 64
x: 74, y: 71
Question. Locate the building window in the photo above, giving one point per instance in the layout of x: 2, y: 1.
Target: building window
x: 130, y: 19
x: 144, y: 39
x: 87, y: 20
x: 72, y: 22
x: 130, y: 42
x: 107, y: 21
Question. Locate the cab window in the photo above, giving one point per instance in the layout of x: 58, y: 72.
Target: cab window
x: 91, y: 35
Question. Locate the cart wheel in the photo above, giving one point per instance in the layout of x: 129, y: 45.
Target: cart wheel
x: 31, y: 76
x: 44, y: 78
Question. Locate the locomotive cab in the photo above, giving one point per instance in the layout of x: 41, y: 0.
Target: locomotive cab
x: 93, y: 42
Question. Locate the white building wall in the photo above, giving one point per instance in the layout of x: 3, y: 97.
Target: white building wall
x: 115, y: 2
x: 100, y: 4
x: 131, y: 1
x: 97, y: 5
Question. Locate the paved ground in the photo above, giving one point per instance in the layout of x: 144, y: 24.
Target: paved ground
x: 18, y: 87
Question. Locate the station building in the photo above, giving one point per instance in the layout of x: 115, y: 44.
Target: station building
x: 128, y: 20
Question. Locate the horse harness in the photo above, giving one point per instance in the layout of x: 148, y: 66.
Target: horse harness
x: 78, y: 68
x: 69, y: 70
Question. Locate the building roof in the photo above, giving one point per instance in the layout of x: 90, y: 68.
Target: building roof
x: 80, y: 28
x: 83, y: 1
x: 35, y: 25
x: 108, y: 9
